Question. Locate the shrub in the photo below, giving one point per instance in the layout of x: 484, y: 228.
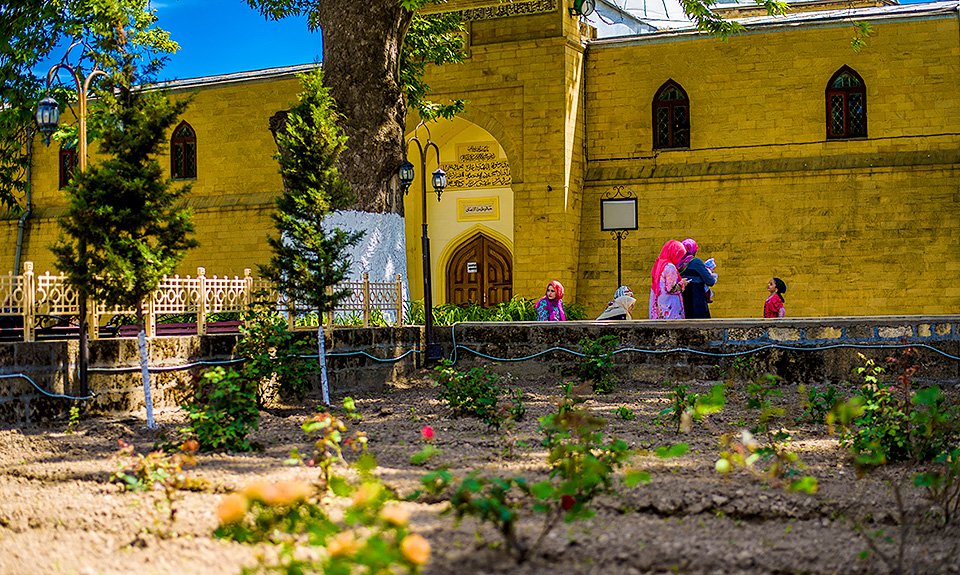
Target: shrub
x: 942, y: 484
x: 224, y: 411
x: 818, y: 404
x: 582, y: 467
x: 476, y: 393
x: 772, y: 462
x: 685, y: 409
x: 372, y: 535
x: 596, y: 365
x: 161, y: 470
x: 274, y: 356
x: 890, y: 422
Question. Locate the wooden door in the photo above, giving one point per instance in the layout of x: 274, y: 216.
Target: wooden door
x: 480, y: 271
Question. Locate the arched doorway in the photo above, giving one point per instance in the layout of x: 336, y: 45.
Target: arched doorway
x: 480, y: 271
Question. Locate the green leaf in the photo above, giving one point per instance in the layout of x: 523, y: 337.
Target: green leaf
x: 675, y: 450
x: 805, y: 484
x: 634, y: 477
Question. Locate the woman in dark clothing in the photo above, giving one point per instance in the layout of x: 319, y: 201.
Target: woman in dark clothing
x: 699, y: 278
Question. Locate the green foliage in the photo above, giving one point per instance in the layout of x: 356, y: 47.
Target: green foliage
x: 125, y: 226
x: 329, y: 435
x: 431, y: 39
x: 861, y: 31
x: 476, y: 393
x: 818, y: 404
x: 158, y: 470
x: 706, y: 19
x: 517, y: 309
x: 224, y: 411
x: 74, y: 419
x: 745, y: 368
x: 685, y: 409
x: 274, y: 363
x: 625, y: 413
x: 33, y: 29
x: 942, y: 484
x: 308, y: 257
x: 759, y: 395
x: 893, y: 422
x: 582, y: 466
x: 372, y: 535
x: 771, y: 462
x: 596, y: 365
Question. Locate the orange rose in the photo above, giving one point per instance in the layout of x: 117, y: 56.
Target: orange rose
x: 395, y: 515
x: 262, y: 491
x: 289, y: 492
x: 415, y: 549
x: 366, y: 494
x: 232, y: 509
x: 343, y: 544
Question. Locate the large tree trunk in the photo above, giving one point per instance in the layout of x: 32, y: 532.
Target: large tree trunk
x: 361, y: 55
x: 361, y: 63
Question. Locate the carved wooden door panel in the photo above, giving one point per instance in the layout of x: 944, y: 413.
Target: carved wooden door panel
x: 480, y: 271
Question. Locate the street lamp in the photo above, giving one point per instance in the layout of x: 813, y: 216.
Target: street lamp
x: 406, y: 174
x: 48, y: 117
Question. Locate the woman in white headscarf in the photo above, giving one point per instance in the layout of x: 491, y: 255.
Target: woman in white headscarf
x: 619, y: 308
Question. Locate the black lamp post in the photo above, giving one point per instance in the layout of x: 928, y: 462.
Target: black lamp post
x: 48, y: 118
x: 406, y: 174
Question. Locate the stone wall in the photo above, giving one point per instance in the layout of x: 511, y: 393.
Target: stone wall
x: 116, y: 384
x: 810, y: 351
x: 826, y: 349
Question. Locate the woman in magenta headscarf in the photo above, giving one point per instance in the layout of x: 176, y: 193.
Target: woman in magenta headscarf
x: 666, y: 300
x: 550, y: 306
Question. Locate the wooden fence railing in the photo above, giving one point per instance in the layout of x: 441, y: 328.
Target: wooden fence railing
x: 48, y: 303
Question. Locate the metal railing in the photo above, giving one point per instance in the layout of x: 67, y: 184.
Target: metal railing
x: 31, y: 302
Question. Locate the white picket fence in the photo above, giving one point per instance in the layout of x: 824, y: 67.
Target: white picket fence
x: 39, y: 300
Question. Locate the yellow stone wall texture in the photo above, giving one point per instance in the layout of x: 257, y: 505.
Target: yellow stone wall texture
x: 856, y: 227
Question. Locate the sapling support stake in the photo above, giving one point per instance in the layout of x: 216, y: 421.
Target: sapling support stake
x: 322, y: 355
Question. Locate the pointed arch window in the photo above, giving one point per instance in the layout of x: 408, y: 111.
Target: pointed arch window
x: 671, y: 117
x: 846, y: 96
x: 183, y: 152
x: 68, y: 164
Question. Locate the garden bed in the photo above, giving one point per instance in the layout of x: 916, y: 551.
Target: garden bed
x: 59, y: 513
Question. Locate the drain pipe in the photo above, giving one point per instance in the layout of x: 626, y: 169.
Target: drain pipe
x: 21, y: 225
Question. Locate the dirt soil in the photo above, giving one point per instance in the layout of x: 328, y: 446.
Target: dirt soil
x: 60, y: 514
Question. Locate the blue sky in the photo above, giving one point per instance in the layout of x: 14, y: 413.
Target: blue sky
x: 222, y: 36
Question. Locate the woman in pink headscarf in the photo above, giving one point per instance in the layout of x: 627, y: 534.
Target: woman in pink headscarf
x: 666, y: 289
x: 550, y: 306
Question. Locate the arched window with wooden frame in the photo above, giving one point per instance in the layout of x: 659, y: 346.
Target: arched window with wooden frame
x: 846, y: 100
x: 671, y: 117
x: 68, y: 164
x: 183, y: 152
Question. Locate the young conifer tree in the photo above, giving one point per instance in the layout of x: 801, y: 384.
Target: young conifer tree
x: 126, y: 225
x: 308, y: 258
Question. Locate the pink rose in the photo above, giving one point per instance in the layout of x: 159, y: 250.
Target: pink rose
x: 427, y: 433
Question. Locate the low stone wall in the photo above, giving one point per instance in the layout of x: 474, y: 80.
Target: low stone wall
x: 116, y: 385
x: 798, y: 350
x: 826, y: 349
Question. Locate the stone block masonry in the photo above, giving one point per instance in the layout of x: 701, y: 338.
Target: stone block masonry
x: 799, y: 351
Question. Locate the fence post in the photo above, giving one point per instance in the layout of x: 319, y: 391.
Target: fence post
x: 247, y: 295
x: 151, y: 327
x: 329, y: 314
x: 202, y: 301
x: 93, y: 319
x: 29, y: 286
x: 366, y: 299
x: 400, y: 318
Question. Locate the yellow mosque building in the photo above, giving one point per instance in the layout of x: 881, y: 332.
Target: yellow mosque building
x: 783, y: 151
